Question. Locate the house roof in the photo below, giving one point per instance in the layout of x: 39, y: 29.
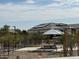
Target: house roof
x: 53, y: 32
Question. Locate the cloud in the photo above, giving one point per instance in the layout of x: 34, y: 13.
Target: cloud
x: 58, y: 9
x: 30, y: 1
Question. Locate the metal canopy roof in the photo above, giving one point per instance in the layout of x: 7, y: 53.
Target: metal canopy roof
x: 53, y: 32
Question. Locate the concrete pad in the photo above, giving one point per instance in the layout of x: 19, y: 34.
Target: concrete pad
x: 28, y: 49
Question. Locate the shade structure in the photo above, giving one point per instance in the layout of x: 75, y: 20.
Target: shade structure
x: 53, y: 32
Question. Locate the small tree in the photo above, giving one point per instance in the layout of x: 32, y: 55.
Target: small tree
x: 35, y: 38
x: 65, y: 47
x: 8, y: 39
x: 71, y: 43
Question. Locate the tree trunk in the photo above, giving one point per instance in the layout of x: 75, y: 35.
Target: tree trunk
x: 65, y: 49
x: 71, y: 51
x: 8, y: 49
x: 77, y: 38
x: 78, y: 48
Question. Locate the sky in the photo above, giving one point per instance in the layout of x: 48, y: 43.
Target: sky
x: 25, y: 14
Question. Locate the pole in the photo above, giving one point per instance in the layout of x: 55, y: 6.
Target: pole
x: 14, y: 37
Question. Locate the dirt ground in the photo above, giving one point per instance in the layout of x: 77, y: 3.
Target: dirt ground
x: 32, y: 55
